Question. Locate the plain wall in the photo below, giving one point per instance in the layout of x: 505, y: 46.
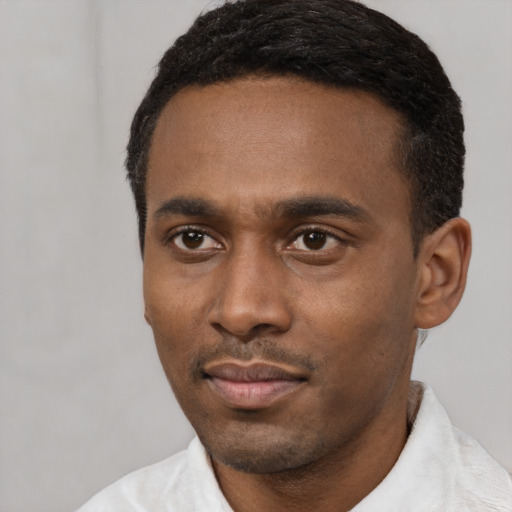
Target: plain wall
x: 83, y: 399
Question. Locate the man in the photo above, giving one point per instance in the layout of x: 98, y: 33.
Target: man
x: 297, y: 172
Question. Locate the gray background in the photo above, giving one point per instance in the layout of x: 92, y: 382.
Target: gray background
x: 83, y: 399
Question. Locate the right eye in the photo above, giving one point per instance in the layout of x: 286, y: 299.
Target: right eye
x: 194, y: 240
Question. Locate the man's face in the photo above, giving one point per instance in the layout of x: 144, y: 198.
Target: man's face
x: 279, y: 278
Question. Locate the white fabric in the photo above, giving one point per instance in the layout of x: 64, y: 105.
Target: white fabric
x: 441, y: 469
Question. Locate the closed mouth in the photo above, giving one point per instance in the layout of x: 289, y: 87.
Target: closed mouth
x: 251, y: 386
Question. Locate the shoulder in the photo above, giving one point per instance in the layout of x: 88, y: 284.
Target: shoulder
x: 440, y: 468
x: 480, y: 481
x: 184, y: 482
x: 144, y: 489
x: 472, y: 479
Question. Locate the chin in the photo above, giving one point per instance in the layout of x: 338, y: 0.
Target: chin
x: 265, y: 453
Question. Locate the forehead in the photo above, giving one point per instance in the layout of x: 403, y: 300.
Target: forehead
x: 259, y: 139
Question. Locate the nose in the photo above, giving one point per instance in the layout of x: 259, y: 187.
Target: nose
x: 250, y: 297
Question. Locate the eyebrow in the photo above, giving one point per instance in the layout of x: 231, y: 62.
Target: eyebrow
x: 298, y: 207
x: 313, y: 206
x: 189, y: 207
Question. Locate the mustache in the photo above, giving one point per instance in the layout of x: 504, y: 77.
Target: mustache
x: 264, y: 349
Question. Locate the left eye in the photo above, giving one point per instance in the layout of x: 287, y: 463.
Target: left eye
x: 314, y: 241
x: 194, y: 240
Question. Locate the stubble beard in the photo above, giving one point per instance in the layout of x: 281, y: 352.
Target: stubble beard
x: 265, y: 452
x: 253, y: 441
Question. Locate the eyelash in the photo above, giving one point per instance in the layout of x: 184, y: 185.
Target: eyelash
x: 170, y: 236
x: 186, y: 229
x: 318, y: 229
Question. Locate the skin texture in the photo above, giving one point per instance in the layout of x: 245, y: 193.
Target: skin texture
x: 279, y: 232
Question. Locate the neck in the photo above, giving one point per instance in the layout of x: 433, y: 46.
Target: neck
x: 333, y: 484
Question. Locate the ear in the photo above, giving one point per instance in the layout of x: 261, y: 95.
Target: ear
x: 443, y: 267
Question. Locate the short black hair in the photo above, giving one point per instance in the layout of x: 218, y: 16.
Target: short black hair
x: 340, y: 43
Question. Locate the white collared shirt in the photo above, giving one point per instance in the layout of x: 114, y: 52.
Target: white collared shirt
x: 440, y: 469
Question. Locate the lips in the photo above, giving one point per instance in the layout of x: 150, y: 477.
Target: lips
x: 252, y: 386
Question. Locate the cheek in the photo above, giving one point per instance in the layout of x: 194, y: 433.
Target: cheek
x: 174, y: 318
x: 363, y: 352
x: 361, y: 324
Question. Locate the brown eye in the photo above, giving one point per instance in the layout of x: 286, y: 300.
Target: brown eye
x: 194, y: 240
x: 314, y: 240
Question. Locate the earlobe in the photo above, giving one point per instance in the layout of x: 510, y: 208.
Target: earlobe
x: 444, y: 260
